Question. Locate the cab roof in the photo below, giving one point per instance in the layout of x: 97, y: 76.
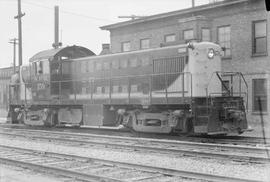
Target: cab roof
x: 69, y: 52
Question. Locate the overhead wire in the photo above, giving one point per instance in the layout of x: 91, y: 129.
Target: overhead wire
x: 68, y: 12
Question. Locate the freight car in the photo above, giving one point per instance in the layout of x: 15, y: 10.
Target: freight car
x: 169, y: 89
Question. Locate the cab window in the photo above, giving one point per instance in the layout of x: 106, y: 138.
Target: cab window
x: 45, y: 67
x: 65, y: 68
x: 41, y: 67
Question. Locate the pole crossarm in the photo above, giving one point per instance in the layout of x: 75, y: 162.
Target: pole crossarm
x: 19, y: 15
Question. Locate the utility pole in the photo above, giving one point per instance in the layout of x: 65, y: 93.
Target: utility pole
x: 19, y: 16
x: 14, y: 42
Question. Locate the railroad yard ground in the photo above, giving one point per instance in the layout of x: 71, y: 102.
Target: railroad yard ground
x: 234, y: 168
x: 174, y: 95
x: 18, y: 174
x: 217, y: 167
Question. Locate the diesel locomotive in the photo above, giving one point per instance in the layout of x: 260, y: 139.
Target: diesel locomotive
x: 178, y: 88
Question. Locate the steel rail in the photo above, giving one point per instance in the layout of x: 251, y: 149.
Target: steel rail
x: 165, y: 171
x: 59, y: 171
x: 242, y: 140
x: 187, y: 152
x: 160, y: 141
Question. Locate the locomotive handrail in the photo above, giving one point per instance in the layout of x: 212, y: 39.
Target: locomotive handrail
x: 73, y: 94
x: 234, y: 73
x: 227, y: 89
x: 221, y: 93
x: 241, y: 77
x: 117, y: 77
x: 230, y: 92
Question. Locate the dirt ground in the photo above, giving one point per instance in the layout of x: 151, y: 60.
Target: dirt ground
x: 17, y: 174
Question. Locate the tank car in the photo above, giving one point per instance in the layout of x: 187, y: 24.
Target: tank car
x: 178, y: 88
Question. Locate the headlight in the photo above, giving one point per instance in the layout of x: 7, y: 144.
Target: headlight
x: 121, y: 111
x: 17, y: 109
x: 46, y: 110
x: 179, y: 113
x: 211, y: 53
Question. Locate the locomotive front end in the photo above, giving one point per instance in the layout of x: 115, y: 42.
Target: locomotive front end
x: 218, y: 97
x: 229, y: 116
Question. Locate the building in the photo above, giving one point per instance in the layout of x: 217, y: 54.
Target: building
x: 241, y: 26
x: 5, y: 75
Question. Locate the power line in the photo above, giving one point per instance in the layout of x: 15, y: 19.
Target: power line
x: 14, y: 42
x: 69, y: 12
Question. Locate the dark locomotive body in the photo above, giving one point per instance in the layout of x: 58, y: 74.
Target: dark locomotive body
x: 162, y: 90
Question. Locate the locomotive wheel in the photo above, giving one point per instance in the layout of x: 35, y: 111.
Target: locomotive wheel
x: 239, y: 131
x: 49, y: 121
x: 189, y: 126
x: 14, y: 117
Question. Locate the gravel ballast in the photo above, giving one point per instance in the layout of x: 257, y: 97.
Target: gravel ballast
x: 217, y: 167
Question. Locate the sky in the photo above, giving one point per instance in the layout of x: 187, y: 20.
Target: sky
x: 79, y: 22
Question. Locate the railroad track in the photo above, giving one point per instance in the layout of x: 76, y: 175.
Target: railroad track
x: 236, y: 140
x: 92, y: 169
x: 233, y: 140
x: 220, y: 151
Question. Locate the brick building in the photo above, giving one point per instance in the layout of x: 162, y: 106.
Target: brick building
x: 5, y: 75
x: 241, y: 26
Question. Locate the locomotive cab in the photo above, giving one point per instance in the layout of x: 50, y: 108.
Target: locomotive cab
x: 40, y: 85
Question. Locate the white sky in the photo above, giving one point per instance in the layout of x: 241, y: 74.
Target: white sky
x: 79, y: 22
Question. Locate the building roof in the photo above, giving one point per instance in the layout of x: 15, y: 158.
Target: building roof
x: 173, y: 13
x: 69, y: 52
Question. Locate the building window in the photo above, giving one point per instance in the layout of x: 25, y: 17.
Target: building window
x: 188, y: 34
x: 98, y: 66
x: 78, y: 67
x: 86, y: 67
x: 106, y: 89
x: 88, y: 88
x: 259, y: 45
x: 90, y: 66
x: 124, y: 88
x: 115, y: 64
x: 83, y: 90
x: 259, y: 93
x: 224, y: 40
x: 82, y: 67
x: 145, y: 61
x: 133, y: 62
x: 98, y: 90
x: 169, y: 38
x: 123, y: 63
x: 145, y: 43
x: 206, y: 34
x: 115, y: 88
x: 106, y: 65
x: 125, y: 46
x: 133, y: 88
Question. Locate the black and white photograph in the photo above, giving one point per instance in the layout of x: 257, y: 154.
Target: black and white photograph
x: 135, y: 91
